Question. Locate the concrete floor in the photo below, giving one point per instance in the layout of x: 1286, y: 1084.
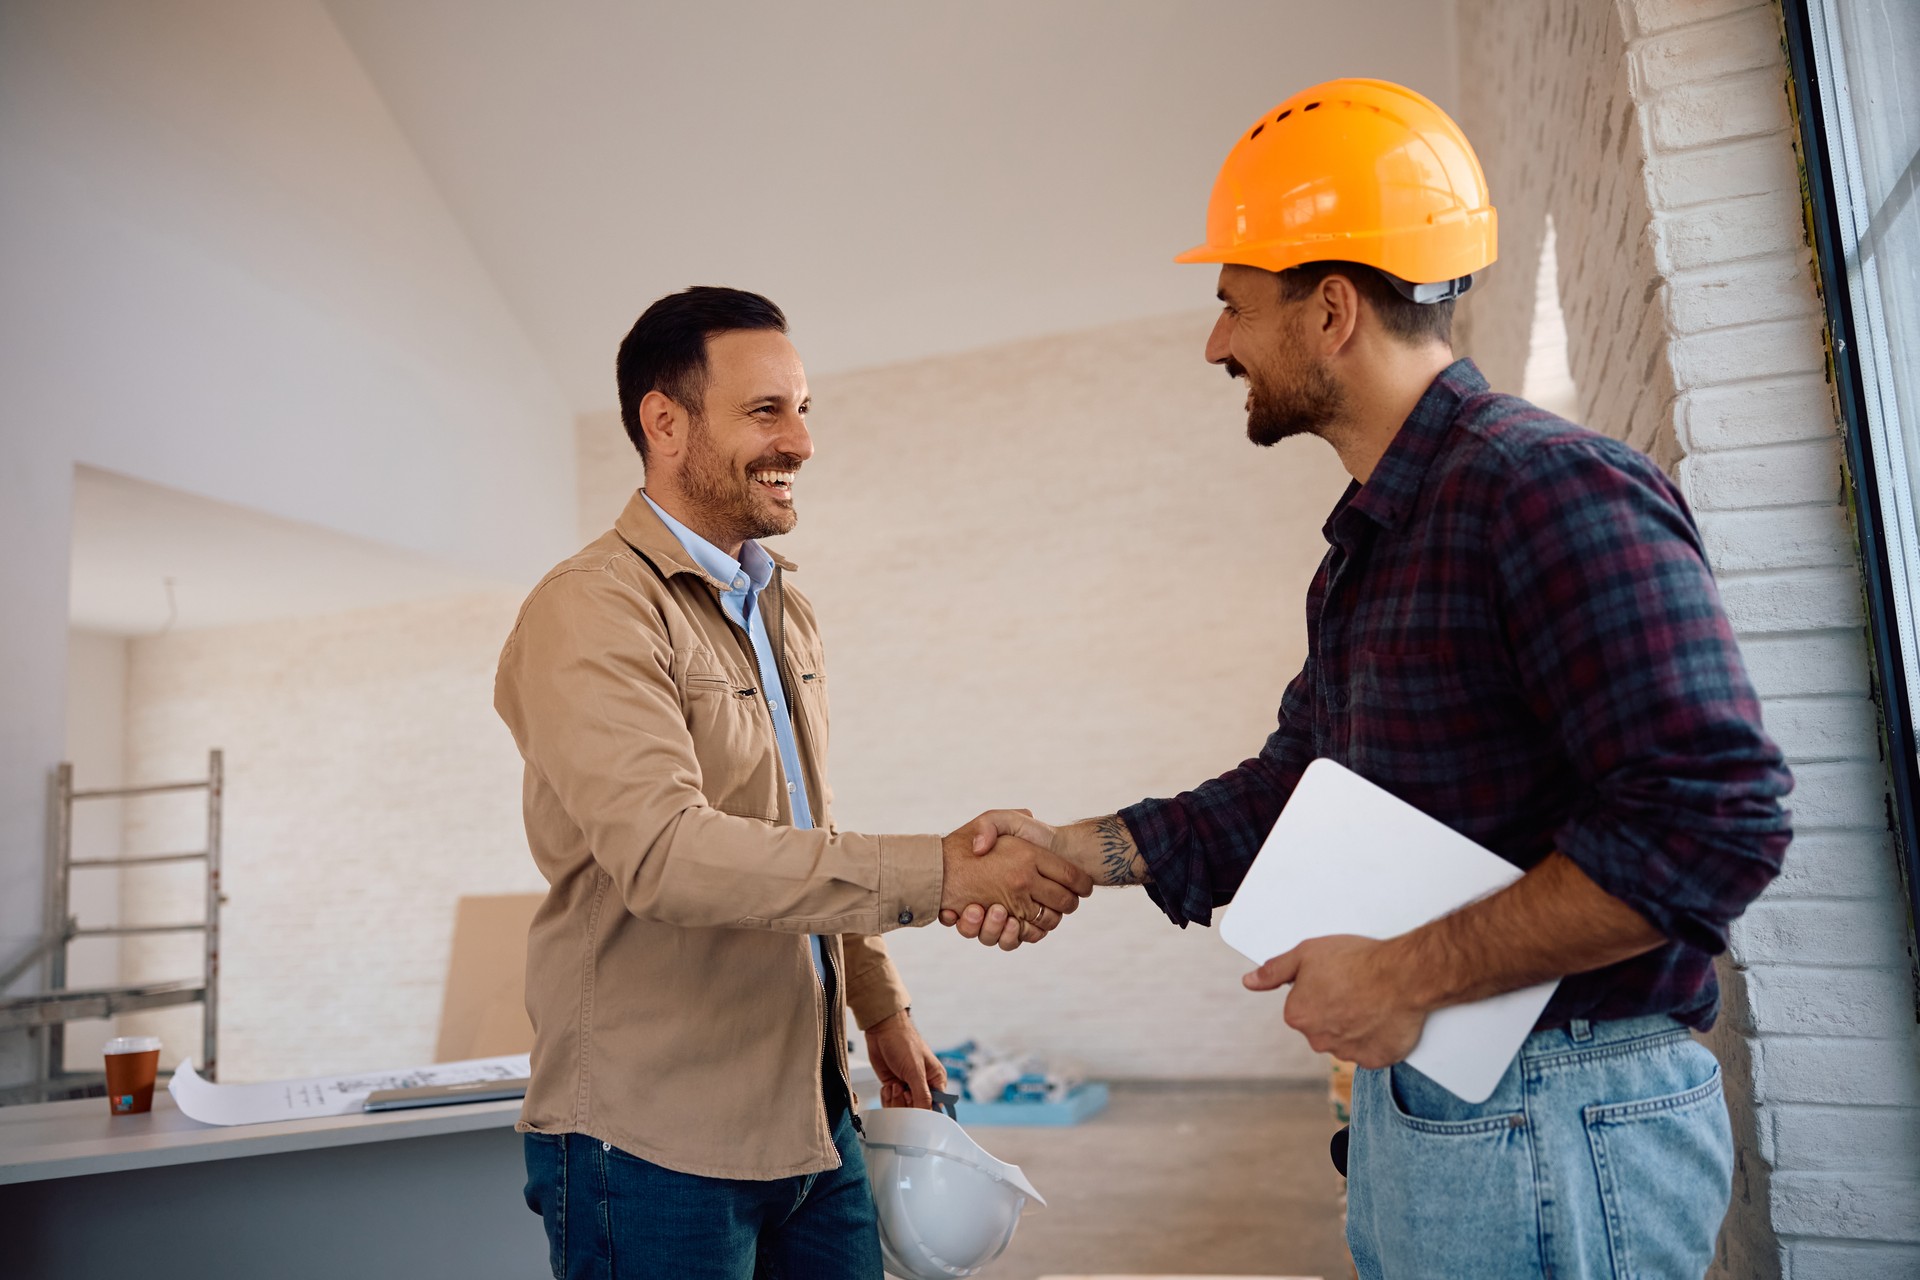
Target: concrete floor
x: 1195, y: 1179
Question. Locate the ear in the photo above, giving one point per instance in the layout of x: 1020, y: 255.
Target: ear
x: 1338, y: 313
x: 665, y: 423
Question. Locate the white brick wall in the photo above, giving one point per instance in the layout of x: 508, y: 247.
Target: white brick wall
x: 369, y: 785
x: 1820, y: 984
x: 1818, y: 1037
x: 1544, y: 97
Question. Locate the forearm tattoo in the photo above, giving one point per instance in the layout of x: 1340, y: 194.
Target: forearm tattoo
x: 1120, y: 861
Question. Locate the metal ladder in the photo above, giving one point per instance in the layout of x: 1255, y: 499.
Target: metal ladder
x: 50, y: 1010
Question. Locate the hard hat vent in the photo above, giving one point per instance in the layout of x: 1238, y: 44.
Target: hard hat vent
x: 1257, y: 131
x: 1311, y: 106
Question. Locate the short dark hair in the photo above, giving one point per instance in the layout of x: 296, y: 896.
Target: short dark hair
x: 666, y: 350
x: 1412, y: 322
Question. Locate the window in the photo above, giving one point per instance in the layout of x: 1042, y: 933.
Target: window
x: 1854, y: 65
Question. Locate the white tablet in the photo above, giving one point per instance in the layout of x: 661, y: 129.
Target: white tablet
x: 1348, y: 857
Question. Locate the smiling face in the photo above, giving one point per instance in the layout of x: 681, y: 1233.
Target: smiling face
x: 1265, y: 338
x: 735, y: 470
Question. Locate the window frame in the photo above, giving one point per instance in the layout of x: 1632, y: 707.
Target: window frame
x: 1815, y: 75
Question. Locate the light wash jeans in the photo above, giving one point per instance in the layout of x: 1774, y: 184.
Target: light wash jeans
x: 1605, y: 1152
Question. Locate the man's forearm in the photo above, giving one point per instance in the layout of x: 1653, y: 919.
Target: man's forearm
x: 1104, y: 849
x: 1551, y: 922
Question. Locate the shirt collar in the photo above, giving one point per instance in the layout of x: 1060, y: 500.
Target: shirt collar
x: 1389, y: 492
x: 754, y: 562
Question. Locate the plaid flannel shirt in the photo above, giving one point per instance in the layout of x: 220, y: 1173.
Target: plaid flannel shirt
x: 1515, y: 630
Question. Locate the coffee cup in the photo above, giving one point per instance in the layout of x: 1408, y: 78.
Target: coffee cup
x: 133, y: 1064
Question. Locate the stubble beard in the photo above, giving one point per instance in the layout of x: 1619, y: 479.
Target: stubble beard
x: 728, y: 501
x: 1305, y: 403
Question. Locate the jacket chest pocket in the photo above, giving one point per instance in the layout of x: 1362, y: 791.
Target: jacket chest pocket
x: 809, y: 679
x: 733, y: 742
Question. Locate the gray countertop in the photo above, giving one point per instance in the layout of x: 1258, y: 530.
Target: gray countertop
x: 73, y: 1139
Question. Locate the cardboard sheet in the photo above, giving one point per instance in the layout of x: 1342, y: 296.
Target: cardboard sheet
x: 484, y: 1012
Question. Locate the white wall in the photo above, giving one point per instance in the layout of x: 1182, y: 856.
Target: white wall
x: 1053, y: 574
x: 96, y: 744
x: 1701, y: 339
x: 369, y: 785
x: 226, y: 272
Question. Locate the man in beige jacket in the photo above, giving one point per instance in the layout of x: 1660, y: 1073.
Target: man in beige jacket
x: 707, y: 925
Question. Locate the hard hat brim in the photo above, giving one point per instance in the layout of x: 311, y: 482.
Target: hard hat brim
x: 937, y: 1134
x: 1398, y: 252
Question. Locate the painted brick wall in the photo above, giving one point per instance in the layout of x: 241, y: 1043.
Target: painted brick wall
x: 1695, y: 208
x: 1820, y: 990
x: 369, y: 785
x: 1544, y: 99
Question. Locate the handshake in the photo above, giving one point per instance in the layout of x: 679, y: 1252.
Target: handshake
x: 1010, y: 878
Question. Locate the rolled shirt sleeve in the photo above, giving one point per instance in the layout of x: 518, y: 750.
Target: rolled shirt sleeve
x: 1620, y: 642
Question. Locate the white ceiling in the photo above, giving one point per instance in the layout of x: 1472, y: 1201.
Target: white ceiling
x: 227, y: 565
x: 904, y: 178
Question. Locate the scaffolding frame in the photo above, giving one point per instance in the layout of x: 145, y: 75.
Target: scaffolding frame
x: 48, y: 1011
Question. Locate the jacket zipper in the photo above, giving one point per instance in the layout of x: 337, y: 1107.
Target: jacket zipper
x: 827, y: 1040
x: 829, y: 1035
x: 826, y: 955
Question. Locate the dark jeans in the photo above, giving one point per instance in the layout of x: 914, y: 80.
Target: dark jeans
x: 614, y: 1216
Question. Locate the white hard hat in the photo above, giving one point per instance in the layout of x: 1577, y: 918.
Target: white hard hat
x: 946, y: 1207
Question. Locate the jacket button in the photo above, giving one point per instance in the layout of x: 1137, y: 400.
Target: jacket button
x: 906, y: 917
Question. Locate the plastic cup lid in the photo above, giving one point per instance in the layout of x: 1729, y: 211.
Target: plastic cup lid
x: 132, y: 1044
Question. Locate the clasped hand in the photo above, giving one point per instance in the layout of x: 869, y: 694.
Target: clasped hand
x: 1052, y: 891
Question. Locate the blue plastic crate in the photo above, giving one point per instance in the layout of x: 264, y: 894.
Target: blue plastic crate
x: 1089, y: 1099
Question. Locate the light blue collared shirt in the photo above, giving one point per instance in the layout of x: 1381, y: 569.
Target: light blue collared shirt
x: 745, y: 579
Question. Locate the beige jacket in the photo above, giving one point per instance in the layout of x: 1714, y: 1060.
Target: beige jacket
x: 675, y: 1008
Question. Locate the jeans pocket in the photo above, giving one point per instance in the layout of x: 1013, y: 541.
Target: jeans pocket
x: 1437, y: 1186
x: 1665, y: 1168
x: 1418, y: 1103
x: 546, y: 1192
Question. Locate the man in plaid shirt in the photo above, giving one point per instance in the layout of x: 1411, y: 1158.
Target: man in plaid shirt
x: 1515, y: 630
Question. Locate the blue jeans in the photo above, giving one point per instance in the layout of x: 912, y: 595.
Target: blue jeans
x: 613, y: 1216
x: 1605, y: 1152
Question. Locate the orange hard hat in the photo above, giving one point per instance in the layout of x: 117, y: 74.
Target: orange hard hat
x: 1355, y: 171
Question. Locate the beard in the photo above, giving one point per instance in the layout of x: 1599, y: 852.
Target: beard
x: 1302, y: 401
x: 730, y: 503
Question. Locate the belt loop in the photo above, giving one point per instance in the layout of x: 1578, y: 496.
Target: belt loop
x: 1580, y: 1030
